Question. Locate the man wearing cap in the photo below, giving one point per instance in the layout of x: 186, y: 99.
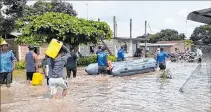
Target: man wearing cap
x: 7, y: 64
x: 31, y: 63
x: 102, y: 61
x: 121, y: 54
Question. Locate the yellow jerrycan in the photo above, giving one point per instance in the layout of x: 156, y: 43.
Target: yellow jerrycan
x: 37, y: 79
x: 53, y: 48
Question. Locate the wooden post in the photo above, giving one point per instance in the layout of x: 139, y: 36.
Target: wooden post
x: 130, y: 28
x: 114, y: 23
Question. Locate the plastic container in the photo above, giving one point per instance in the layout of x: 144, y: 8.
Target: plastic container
x: 53, y: 48
x: 37, y: 79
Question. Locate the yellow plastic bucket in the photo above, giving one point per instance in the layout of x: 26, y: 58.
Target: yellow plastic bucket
x: 37, y: 79
x: 53, y: 48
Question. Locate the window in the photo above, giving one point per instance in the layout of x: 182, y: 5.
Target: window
x: 91, y: 49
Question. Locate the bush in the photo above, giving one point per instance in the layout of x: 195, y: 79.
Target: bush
x: 20, y: 65
x: 84, y: 61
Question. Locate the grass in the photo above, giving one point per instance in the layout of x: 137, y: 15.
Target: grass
x: 19, y: 72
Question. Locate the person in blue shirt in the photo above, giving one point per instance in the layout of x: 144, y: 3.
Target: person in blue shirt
x: 102, y: 61
x: 99, y: 49
x: 161, y: 59
x: 7, y: 64
x: 121, y: 54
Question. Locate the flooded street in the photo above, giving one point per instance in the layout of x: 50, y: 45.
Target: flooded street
x: 138, y: 93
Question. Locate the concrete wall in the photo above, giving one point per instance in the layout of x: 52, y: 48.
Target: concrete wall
x: 24, y: 49
x: 21, y: 50
x: 13, y: 47
x: 153, y: 49
x: 113, y: 45
x: 85, y: 49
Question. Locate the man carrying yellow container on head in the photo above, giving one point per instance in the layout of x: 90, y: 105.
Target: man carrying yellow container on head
x: 56, y: 72
x: 7, y: 64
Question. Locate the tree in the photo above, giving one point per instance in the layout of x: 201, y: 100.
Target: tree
x: 63, y: 27
x: 40, y: 8
x: 10, y: 11
x: 166, y: 35
x: 201, y: 35
x: 188, y: 43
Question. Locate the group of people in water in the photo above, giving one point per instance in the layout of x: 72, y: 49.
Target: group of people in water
x: 53, y: 68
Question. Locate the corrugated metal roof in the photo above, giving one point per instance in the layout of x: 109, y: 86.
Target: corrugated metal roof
x: 202, y: 16
x: 153, y: 45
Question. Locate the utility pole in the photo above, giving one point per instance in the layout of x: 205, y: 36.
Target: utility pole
x: 116, y: 30
x: 130, y: 28
x: 114, y: 23
x: 87, y: 13
x: 145, y: 36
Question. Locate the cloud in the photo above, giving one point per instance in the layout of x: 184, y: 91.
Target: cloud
x: 182, y: 12
x: 159, y: 14
x: 170, y: 21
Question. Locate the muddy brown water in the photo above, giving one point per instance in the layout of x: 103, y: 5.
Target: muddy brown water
x: 138, y: 93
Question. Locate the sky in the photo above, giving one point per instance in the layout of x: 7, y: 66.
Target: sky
x: 158, y: 14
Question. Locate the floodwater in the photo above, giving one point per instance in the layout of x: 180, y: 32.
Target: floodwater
x: 137, y: 93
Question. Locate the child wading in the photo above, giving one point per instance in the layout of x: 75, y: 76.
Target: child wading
x: 56, y: 72
x: 45, y: 67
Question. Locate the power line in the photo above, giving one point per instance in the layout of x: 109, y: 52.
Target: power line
x: 150, y: 28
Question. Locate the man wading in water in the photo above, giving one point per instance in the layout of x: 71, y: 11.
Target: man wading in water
x: 121, y: 54
x: 31, y: 63
x: 161, y: 60
x: 56, y: 72
x: 102, y: 61
x: 71, y: 65
x: 7, y: 64
x: 199, y: 55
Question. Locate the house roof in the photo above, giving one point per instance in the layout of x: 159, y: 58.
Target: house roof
x: 156, y: 44
x: 202, y: 16
x: 127, y: 38
x: 168, y: 42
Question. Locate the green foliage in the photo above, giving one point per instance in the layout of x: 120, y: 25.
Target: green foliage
x: 84, y: 61
x: 40, y: 8
x: 1, y: 39
x: 188, y: 43
x: 66, y: 28
x: 166, y: 35
x: 201, y: 35
x: 20, y: 65
x: 15, y: 11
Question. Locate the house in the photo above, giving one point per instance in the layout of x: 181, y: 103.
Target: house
x: 169, y: 46
x: 113, y: 45
x: 130, y: 44
x: 21, y: 50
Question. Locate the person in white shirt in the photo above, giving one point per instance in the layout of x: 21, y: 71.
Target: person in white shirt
x: 199, y: 54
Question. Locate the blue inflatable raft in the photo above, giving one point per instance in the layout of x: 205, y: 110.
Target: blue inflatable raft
x: 125, y: 68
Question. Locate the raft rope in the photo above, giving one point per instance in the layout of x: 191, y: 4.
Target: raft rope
x: 197, y: 68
